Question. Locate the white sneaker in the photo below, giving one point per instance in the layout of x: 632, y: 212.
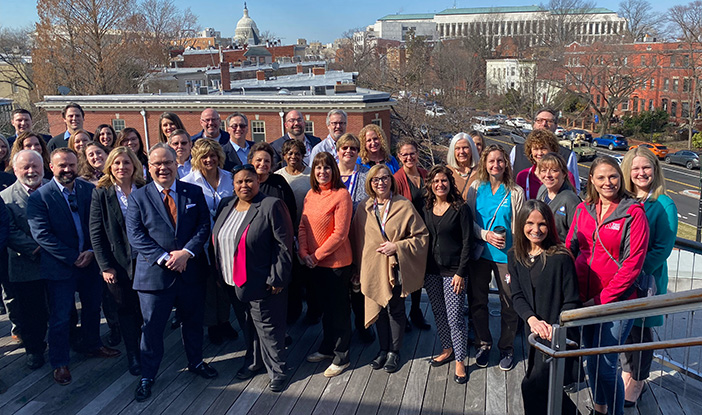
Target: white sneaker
x: 317, y: 357
x: 335, y: 370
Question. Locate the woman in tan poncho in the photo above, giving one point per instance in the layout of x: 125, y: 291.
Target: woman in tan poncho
x: 390, y: 249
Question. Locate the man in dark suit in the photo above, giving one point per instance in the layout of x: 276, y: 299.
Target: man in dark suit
x: 211, y: 123
x: 24, y: 276
x: 236, y: 150
x: 73, y: 116
x: 22, y: 121
x: 58, y: 216
x: 294, y: 129
x: 167, y: 225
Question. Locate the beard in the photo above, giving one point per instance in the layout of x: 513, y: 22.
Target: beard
x: 66, y: 177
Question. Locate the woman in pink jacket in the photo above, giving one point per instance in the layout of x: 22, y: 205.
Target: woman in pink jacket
x: 608, y: 238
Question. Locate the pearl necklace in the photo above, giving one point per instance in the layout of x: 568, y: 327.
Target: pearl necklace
x: 532, y: 257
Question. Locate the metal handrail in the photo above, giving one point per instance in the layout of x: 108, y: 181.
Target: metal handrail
x: 638, y: 308
x: 558, y: 354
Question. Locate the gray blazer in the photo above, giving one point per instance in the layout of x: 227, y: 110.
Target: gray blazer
x: 23, y: 265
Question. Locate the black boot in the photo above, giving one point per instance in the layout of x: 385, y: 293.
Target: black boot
x: 131, y: 333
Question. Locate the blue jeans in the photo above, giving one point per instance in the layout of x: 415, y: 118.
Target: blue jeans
x: 607, y: 386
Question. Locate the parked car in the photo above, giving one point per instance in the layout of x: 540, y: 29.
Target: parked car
x: 501, y: 118
x: 435, y: 111
x: 687, y: 158
x: 560, y: 131
x: 582, y: 149
x: 518, y: 122
x: 658, y: 149
x: 611, y: 141
x: 577, y: 133
x: 486, y: 125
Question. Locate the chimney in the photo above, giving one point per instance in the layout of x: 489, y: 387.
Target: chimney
x: 317, y: 71
x: 260, y: 75
x: 226, y: 78
x: 299, y: 68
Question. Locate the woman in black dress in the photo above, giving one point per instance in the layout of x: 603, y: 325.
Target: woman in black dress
x: 544, y: 284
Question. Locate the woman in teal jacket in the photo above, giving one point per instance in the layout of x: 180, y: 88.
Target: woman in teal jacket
x: 643, y: 177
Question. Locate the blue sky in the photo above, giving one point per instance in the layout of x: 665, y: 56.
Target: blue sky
x: 311, y: 20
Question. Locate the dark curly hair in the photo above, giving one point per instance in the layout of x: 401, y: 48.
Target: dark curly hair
x: 454, y: 196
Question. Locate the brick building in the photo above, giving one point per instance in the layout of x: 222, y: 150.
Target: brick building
x: 663, y: 75
x: 263, y: 107
x: 212, y: 57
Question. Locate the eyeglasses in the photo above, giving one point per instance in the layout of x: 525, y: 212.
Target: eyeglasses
x: 336, y: 124
x: 240, y: 167
x: 347, y: 148
x: 545, y: 121
x: 406, y: 155
x: 295, y: 120
x: 241, y: 126
x: 73, y: 202
x: 379, y: 179
x: 159, y: 164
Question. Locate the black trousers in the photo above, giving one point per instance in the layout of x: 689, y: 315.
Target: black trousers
x: 31, y: 303
x: 479, y: 290
x: 334, y: 284
x: 391, y: 322
x: 638, y: 363
x: 535, y: 388
x: 128, y: 311
x: 296, y: 290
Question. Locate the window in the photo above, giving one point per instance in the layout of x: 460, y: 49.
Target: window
x: 674, y: 108
x: 685, y: 110
x: 643, y: 61
x: 597, y: 100
x: 676, y: 82
x: 309, y: 127
x: 118, y: 125
x: 666, y: 83
x: 672, y: 61
x: 15, y: 88
x: 687, y: 84
x: 653, y: 83
x: 650, y: 105
x: 685, y: 61
x: 664, y: 104
x: 258, y: 130
x: 636, y: 104
x: 625, y: 105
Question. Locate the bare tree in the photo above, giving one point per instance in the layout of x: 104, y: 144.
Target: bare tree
x: 164, y: 26
x: 566, y: 21
x: 641, y: 20
x: 15, y: 57
x: 603, y: 75
x: 685, y: 22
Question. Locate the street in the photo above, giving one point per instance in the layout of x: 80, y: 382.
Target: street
x: 683, y: 185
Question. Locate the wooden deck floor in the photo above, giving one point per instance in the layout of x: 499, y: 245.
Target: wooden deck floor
x: 103, y: 386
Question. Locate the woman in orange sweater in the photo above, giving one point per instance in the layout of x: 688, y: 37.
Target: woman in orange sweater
x: 325, y: 248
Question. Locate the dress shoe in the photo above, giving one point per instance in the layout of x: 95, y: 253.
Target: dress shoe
x: 103, y: 352
x: 392, y: 364
x: 317, y: 357
x: 507, y: 361
x: 204, y: 370
x: 215, y: 335
x: 418, y: 320
x: 35, y: 360
x: 461, y: 379
x: 335, y: 370
x: 175, y: 323
x: 227, y: 331
x: 247, y: 372
x: 114, y: 337
x: 133, y: 364
x: 143, y: 390
x: 379, y: 360
x: 278, y: 384
x: 439, y: 363
x: 62, y: 376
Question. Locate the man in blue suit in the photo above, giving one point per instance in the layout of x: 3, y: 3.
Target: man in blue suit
x: 167, y: 225
x: 58, y: 216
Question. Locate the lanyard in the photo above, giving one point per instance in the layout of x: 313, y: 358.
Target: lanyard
x: 351, y: 182
x: 384, y: 220
x: 531, y: 171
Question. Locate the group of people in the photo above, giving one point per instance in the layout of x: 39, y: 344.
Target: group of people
x: 211, y: 221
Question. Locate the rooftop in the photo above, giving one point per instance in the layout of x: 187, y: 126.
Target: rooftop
x: 417, y: 16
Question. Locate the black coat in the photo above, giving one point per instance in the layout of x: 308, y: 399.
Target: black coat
x: 450, y: 240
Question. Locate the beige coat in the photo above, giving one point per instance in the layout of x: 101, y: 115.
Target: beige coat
x: 406, y: 229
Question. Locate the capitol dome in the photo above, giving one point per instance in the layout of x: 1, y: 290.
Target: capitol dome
x: 246, y: 30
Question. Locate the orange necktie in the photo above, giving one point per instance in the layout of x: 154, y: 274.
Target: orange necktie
x: 170, y: 206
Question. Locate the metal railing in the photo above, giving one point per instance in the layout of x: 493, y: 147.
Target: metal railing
x: 672, y: 341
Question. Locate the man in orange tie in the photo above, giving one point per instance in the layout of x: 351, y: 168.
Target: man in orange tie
x: 167, y: 225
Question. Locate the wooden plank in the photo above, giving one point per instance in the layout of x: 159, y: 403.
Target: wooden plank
x: 647, y: 405
x: 351, y: 399
x: 667, y: 401
x: 476, y: 388
x: 496, y: 398
x: 417, y: 378
x: 515, y: 403
x: 297, y: 370
x: 31, y: 408
x: 397, y: 382
x: 436, y: 385
x: 102, y: 400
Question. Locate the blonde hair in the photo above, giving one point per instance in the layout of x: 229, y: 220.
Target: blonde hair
x: 202, y: 148
x: 363, y: 152
x: 658, y: 183
x: 374, y: 172
x: 108, y: 179
x: 484, y: 177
